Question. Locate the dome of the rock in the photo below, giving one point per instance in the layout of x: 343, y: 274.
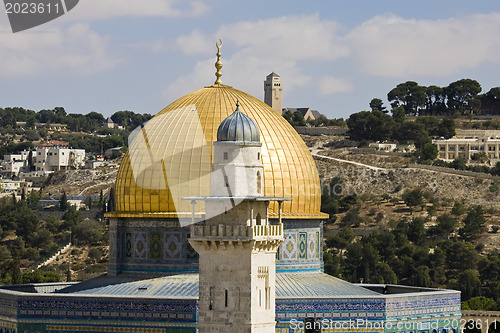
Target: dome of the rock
x: 170, y: 158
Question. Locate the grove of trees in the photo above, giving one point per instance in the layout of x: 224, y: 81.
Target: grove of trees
x: 445, y: 255
x: 461, y: 97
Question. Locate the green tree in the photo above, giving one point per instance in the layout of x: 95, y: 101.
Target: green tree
x: 410, y: 95
x: 375, y: 125
x: 52, y: 223
x: 460, y: 163
x: 288, y: 115
x: 460, y: 94
x: 63, y: 202
x: 458, y: 209
x: 398, y: 114
x: 482, y: 303
x: 435, y: 100
x: 429, y: 152
x: 88, y: 232
x: 446, y: 224
x: 473, y: 223
x: 416, y: 230
x: 332, y: 264
x: 422, y: 277
x: 446, y: 128
x: 460, y: 256
x: 352, y: 218
x: 413, y: 198
x: 480, y: 157
x: 95, y: 254
x: 71, y: 218
x: 298, y: 119
x: 377, y: 104
x: 341, y: 239
x: 469, y: 283
x: 412, y: 131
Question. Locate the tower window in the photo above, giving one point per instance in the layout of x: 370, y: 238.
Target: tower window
x: 259, y: 183
x: 212, y: 292
x: 225, y: 297
x: 258, y: 156
x: 238, y: 304
x: 226, y: 155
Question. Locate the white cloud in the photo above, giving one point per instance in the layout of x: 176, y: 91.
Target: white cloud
x: 77, y: 49
x: 329, y: 85
x: 282, y: 44
x: 391, y: 46
x: 304, y: 50
x: 195, y: 43
x: 105, y: 9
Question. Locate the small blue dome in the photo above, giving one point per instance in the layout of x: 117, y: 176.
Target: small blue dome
x: 238, y: 127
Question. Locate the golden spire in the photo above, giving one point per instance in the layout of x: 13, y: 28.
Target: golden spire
x: 218, y: 64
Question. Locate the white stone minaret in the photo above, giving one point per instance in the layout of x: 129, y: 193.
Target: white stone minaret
x: 236, y: 243
x: 272, y: 92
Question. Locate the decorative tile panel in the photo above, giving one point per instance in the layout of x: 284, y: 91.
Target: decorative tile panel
x: 141, y: 245
x: 128, y: 245
x: 289, y: 247
x: 156, y: 244
x: 173, y: 246
x: 302, y: 245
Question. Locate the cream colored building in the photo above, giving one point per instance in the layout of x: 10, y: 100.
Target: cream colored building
x: 273, y: 91
x: 451, y: 149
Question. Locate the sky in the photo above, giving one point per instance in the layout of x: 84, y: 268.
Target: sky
x: 333, y: 56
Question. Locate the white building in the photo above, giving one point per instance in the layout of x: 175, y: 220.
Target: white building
x: 50, y: 159
x: 12, y: 164
x: 393, y: 146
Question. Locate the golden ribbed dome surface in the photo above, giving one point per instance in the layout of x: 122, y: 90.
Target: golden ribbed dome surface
x: 170, y: 158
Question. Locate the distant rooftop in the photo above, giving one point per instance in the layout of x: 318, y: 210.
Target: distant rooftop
x: 54, y: 143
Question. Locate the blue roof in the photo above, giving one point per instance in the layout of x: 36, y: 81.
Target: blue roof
x: 185, y: 286
x: 238, y: 127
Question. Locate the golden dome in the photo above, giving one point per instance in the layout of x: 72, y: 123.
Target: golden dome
x: 178, y: 141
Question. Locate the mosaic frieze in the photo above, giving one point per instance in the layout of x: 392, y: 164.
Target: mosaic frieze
x: 300, y: 245
x: 330, y: 305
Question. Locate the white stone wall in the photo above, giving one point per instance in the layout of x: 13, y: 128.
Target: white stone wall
x: 237, y: 170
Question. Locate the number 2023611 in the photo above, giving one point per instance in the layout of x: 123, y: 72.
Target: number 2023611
x: 32, y: 8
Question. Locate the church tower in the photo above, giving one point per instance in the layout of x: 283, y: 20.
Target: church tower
x: 272, y: 92
x: 236, y: 244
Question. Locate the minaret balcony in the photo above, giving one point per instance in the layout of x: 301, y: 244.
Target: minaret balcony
x: 224, y: 232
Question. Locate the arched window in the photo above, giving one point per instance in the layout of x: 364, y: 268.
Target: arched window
x: 258, y: 219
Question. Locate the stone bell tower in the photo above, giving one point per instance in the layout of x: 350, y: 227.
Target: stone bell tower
x: 236, y: 243
x: 273, y: 91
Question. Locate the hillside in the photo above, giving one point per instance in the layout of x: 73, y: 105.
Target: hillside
x: 83, y: 182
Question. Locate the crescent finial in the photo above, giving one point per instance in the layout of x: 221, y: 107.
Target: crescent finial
x: 218, y: 64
